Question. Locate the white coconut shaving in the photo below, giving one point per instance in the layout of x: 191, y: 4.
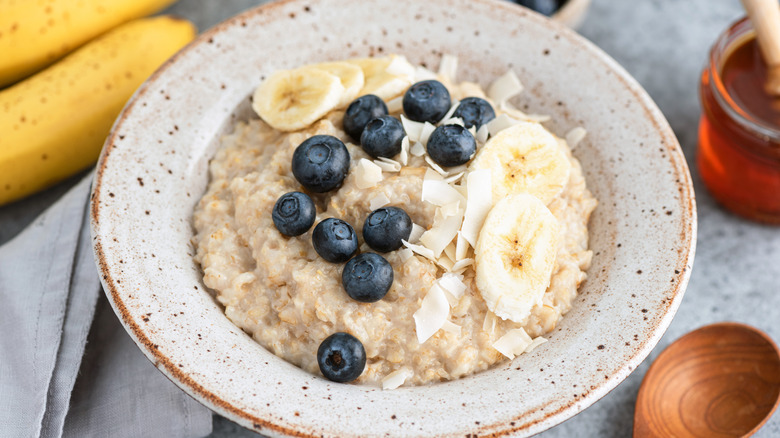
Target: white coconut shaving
x: 461, y: 247
x: 500, y: 123
x: 367, y: 174
x: 426, y: 132
x: 452, y: 283
x: 388, y: 165
x: 461, y: 265
x: 378, y: 201
x: 403, y: 157
x: 396, y: 378
x: 405, y: 254
x: 395, y: 105
x: 432, y: 314
x: 453, y: 121
x: 418, y: 150
x: 412, y: 128
x: 449, y: 67
x: 575, y: 136
x: 417, y: 231
x: 535, y: 343
x: 439, y: 193
x: 513, y: 343
x: 450, y: 112
x: 435, y: 166
x: 482, y: 133
x: 399, y: 66
x: 423, y: 74
x: 480, y: 201
x: 505, y: 87
x: 441, y: 234
x: 419, y: 249
x: 451, y: 327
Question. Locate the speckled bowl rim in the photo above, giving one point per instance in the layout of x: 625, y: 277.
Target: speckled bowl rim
x: 186, y: 382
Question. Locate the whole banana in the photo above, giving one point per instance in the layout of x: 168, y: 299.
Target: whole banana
x: 53, y: 124
x: 34, y: 34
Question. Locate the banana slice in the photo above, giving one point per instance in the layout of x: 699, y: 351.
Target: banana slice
x: 351, y: 76
x: 515, y: 255
x: 290, y: 100
x: 524, y: 158
x: 386, y: 77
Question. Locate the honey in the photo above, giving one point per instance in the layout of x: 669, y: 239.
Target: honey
x: 739, y: 130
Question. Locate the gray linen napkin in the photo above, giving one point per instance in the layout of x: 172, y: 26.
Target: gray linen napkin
x: 49, y: 385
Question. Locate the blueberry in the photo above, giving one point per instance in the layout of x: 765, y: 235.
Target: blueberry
x: 474, y: 112
x: 451, y: 145
x: 382, y: 137
x: 367, y: 277
x: 427, y: 101
x: 385, y: 227
x: 361, y: 111
x: 334, y: 240
x: 546, y: 7
x: 341, y: 357
x: 294, y: 213
x: 320, y: 163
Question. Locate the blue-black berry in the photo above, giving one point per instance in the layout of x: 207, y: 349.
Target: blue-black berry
x: 341, y: 357
x: 474, y: 112
x: 294, y: 213
x: 361, y: 111
x: 546, y: 7
x: 320, y: 163
x: 427, y: 101
x: 385, y: 227
x: 451, y: 145
x: 334, y: 240
x: 367, y: 277
x: 382, y: 137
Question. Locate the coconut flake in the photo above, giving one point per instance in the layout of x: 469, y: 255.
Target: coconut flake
x: 452, y: 283
x: 419, y: 249
x: 454, y: 178
x: 451, y: 327
x: 426, y: 132
x: 418, y: 150
x: 378, y: 201
x: 399, y: 66
x: 473, y: 131
x: 445, y: 263
x: 403, y: 157
x: 432, y: 313
x: 448, y: 67
x: 453, y: 121
x: 461, y: 265
x: 451, y: 209
x: 395, y: 105
x: 448, y: 115
x: 461, y: 247
x: 405, y: 254
x: 505, y: 87
x: 500, y: 123
x: 423, y: 74
x: 435, y: 166
x: 440, y: 235
x: 412, y: 128
x: 480, y: 201
x: 439, y: 193
x: 387, y: 164
x: 513, y: 343
x: 535, y: 343
x: 417, y: 231
x: 449, y: 251
x: 396, y: 378
x: 489, y: 324
x: 482, y: 133
x: 367, y: 174
x: 575, y: 136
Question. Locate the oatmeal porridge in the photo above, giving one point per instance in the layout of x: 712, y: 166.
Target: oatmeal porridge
x: 497, y: 247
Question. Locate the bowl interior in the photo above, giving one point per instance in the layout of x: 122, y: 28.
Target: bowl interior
x: 154, y: 169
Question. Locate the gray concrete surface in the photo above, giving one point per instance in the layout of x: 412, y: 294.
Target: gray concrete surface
x: 736, y: 275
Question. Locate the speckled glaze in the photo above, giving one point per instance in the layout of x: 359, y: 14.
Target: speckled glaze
x: 154, y: 168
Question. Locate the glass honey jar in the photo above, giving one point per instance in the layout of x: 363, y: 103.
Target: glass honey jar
x: 739, y: 130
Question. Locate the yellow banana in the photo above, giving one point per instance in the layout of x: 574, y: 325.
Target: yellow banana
x: 53, y: 124
x: 36, y: 33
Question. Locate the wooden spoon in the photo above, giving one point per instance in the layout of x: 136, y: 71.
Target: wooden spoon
x: 765, y: 16
x: 722, y: 380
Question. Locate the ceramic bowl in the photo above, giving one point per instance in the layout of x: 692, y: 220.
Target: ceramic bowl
x: 153, y: 169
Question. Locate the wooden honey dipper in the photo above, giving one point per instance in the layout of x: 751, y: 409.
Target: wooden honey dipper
x: 765, y: 16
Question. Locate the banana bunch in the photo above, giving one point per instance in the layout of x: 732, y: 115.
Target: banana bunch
x: 290, y: 100
x: 34, y: 35
x: 54, y: 123
x: 517, y: 245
